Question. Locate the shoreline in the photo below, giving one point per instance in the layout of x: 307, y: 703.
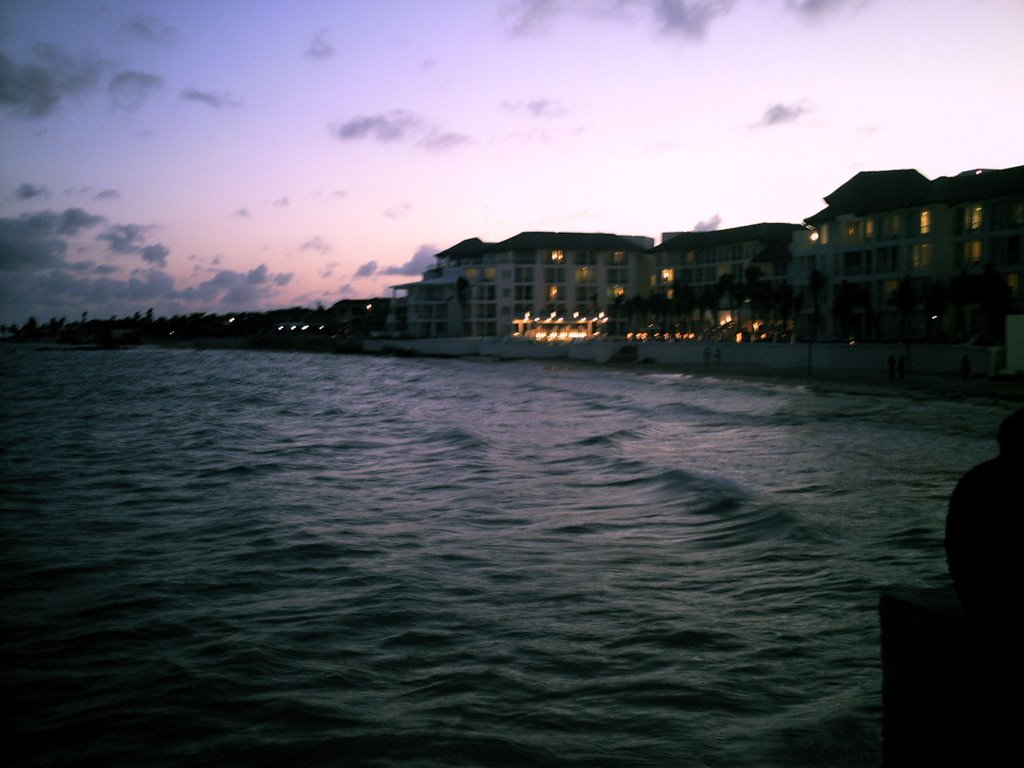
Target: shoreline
x: 919, y: 386
x: 915, y: 386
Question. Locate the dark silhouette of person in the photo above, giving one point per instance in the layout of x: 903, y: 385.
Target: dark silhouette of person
x: 965, y: 368
x: 985, y: 531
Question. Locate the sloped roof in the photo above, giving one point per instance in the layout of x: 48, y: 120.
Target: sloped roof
x: 469, y: 246
x: 765, y: 232
x: 568, y: 241
x: 875, y: 191
x: 980, y: 184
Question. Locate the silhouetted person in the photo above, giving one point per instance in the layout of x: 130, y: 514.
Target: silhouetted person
x: 965, y: 368
x: 985, y: 531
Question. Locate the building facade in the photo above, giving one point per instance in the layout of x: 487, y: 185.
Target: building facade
x: 727, y: 281
x: 895, y: 255
x: 543, y: 285
x: 892, y: 256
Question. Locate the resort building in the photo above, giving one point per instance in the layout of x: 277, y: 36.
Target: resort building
x: 894, y: 255
x: 732, y: 281
x: 540, y: 285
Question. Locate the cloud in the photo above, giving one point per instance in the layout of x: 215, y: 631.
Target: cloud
x: 538, y: 108
x: 527, y: 17
x: 689, y: 18
x: 778, y: 114
x: 28, y: 191
x: 281, y: 202
x: 107, y: 194
x: 242, y: 213
x: 320, y: 48
x: 366, y: 270
x: 155, y: 254
x: 316, y: 244
x: 130, y: 239
x: 814, y: 9
x: 35, y: 89
x: 398, y: 211
x: 422, y: 260
x: 686, y: 18
x: 124, y: 238
x: 708, y: 225
x: 128, y: 90
x: 395, y: 126
x: 439, y: 141
x: 215, y: 100
x: 237, y: 290
x: 149, y: 29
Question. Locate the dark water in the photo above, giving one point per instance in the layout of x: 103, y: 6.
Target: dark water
x: 234, y: 558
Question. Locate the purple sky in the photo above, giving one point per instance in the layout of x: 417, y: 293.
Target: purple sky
x: 223, y: 156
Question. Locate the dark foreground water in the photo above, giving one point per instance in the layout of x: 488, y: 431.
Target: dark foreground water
x: 230, y: 558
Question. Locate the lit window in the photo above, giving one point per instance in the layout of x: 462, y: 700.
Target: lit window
x: 824, y: 234
x: 618, y: 290
x: 553, y: 292
x: 921, y: 256
x: 972, y: 252
x: 926, y: 221
x: 668, y: 275
x: 869, y: 227
x: 972, y: 218
x: 557, y: 256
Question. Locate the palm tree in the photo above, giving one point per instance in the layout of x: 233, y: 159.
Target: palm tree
x: 817, y: 285
x: 961, y: 291
x: 905, y: 299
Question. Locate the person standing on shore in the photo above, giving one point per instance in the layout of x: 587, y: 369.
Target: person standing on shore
x: 985, y: 530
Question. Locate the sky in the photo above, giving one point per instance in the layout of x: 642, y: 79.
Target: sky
x: 231, y: 155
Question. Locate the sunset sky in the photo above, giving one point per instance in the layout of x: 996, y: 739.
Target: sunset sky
x: 228, y: 155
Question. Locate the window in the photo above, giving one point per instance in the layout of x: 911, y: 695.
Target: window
x: 619, y: 257
x: 823, y: 234
x: 489, y: 274
x: 553, y: 292
x: 557, y: 257
x: 616, y: 290
x: 892, y: 226
x: 668, y: 275
x: 584, y: 275
x: 921, y: 256
x: 471, y: 274
x: 926, y: 221
x: 972, y: 218
x: 971, y: 252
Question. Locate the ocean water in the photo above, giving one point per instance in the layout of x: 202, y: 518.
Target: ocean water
x: 236, y: 558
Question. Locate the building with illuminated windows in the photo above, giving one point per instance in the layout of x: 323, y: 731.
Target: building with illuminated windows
x: 892, y: 256
x: 539, y: 285
x: 896, y: 255
x: 728, y: 279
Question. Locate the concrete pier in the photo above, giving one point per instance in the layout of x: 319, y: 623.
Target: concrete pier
x: 951, y: 689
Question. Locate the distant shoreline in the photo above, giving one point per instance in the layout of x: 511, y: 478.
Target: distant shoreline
x: 916, y: 386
